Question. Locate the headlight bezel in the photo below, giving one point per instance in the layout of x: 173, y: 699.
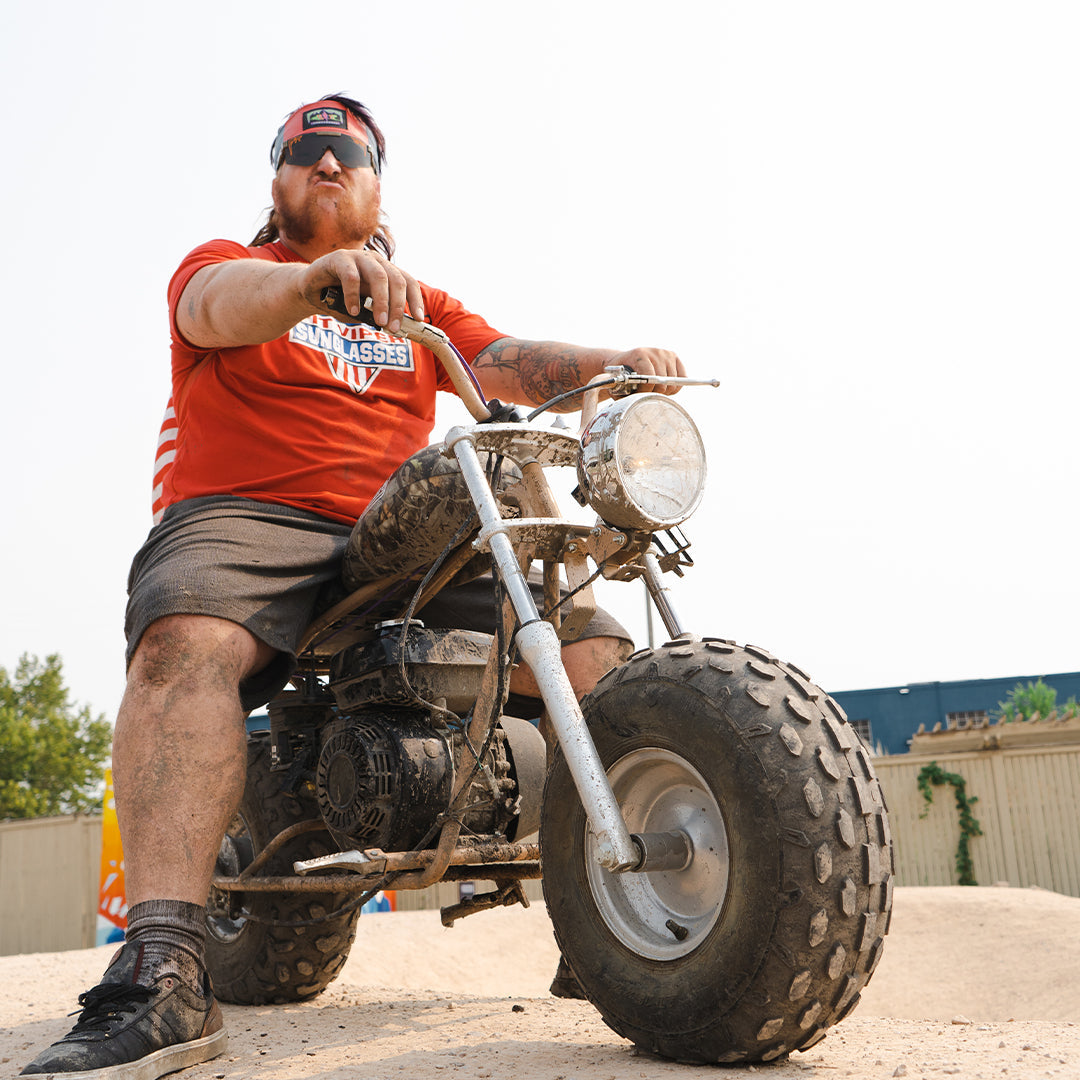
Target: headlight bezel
x: 618, y: 496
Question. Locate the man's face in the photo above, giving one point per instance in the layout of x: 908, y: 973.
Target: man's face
x: 326, y: 203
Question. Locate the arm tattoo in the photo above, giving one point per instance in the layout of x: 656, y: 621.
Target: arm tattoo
x: 543, y: 369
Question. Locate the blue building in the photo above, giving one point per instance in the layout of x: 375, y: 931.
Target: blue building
x: 889, y: 716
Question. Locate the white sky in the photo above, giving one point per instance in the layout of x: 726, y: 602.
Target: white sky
x: 863, y: 218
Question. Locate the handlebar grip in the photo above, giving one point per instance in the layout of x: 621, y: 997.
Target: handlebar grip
x: 333, y: 298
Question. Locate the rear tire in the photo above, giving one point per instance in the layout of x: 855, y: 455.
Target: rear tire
x: 768, y: 937
x: 258, y: 963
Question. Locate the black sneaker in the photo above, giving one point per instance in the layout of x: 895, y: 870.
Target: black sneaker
x: 127, y: 1031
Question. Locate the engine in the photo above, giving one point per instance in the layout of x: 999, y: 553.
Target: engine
x: 387, y: 766
x: 385, y: 776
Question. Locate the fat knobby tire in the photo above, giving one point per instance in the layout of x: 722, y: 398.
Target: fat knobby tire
x: 809, y: 890
x: 264, y: 963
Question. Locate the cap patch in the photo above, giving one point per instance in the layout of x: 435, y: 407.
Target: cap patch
x: 324, y: 117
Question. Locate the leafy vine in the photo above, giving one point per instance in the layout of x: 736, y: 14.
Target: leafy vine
x: 934, y: 774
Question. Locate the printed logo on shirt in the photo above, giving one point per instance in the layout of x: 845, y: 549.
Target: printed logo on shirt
x: 356, y: 354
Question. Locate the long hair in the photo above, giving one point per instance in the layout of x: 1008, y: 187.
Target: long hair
x: 382, y: 240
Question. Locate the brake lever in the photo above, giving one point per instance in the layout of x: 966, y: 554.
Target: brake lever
x: 627, y: 381
x: 622, y: 381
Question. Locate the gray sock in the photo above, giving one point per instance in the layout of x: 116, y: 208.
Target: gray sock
x: 173, y: 936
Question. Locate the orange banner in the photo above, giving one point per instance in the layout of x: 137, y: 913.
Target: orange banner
x: 112, y: 904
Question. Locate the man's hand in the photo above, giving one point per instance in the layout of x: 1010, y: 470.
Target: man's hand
x: 361, y: 274
x: 651, y: 362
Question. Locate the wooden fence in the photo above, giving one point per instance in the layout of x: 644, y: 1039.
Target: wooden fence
x: 1028, y: 809
x: 50, y: 871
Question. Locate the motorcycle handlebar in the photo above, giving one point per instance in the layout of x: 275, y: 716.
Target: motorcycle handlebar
x: 333, y: 298
x: 423, y: 334
x: 621, y: 380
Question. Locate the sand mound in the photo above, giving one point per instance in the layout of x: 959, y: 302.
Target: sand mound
x: 974, y: 982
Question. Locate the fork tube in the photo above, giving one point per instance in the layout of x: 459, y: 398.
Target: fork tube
x: 661, y: 596
x: 539, y: 646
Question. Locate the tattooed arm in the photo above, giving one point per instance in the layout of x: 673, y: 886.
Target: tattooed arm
x: 531, y: 372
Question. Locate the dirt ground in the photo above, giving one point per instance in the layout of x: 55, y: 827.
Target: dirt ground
x: 974, y: 983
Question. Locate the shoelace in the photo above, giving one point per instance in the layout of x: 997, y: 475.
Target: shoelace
x: 108, y: 1002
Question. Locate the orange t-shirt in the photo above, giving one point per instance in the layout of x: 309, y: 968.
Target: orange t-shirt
x: 317, y: 418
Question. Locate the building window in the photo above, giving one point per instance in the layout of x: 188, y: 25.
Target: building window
x: 862, y: 729
x: 961, y: 721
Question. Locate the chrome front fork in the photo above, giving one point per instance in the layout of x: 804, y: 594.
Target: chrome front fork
x: 539, y: 647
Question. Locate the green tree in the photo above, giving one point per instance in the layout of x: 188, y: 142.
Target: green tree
x: 52, y: 753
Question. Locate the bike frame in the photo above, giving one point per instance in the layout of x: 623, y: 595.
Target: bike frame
x: 562, y: 542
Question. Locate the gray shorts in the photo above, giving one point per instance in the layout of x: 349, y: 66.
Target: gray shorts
x: 272, y: 569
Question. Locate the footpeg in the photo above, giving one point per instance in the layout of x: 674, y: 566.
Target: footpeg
x: 372, y: 861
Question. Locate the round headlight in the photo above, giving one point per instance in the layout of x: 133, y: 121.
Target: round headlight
x: 642, y: 463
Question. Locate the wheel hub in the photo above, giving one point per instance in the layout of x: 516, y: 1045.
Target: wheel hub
x: 663, y: 914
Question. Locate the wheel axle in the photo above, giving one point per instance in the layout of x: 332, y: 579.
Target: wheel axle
x: 662, y: 851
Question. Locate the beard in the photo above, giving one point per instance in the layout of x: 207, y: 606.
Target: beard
x: 351, y: 224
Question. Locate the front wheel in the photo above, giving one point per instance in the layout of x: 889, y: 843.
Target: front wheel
x: 766, y: 939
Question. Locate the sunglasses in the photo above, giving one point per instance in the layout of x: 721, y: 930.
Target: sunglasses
x: 308, y: 149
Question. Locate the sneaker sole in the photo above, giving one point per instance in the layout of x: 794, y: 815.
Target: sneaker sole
x: 166, y: 1060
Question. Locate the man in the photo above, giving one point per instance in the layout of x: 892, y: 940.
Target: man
x: 283, y: 424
